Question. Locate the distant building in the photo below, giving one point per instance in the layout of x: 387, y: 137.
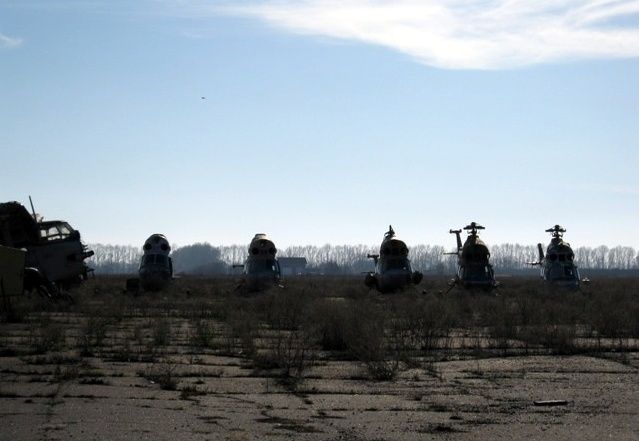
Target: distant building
x: 291, y: 266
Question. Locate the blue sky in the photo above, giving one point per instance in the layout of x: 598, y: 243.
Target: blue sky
x: 323, y: 124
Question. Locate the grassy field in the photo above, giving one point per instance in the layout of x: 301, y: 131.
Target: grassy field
x: 321, y: 358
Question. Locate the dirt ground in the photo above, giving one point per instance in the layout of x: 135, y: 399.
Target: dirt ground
x: 141, y: 378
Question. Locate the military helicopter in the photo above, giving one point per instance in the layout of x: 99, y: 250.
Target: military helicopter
x: 473, y: 261
x: 393, y: 271
x: 55, y: 254
x: 557, y: 266
x: 156, y: 267
x: 261, y: 269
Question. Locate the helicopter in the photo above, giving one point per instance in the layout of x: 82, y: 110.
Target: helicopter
x: 557, y: 265
x: 156, y: 266
x: 393, y: 271
x: 261, y: 268
x: 55, y: 255
x: 473, y: 261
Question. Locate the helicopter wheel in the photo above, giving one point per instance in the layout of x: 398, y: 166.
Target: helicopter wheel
x: 371, y: 282
x: 43, y: 292
x: 65, y: 296
x: 451, y: 284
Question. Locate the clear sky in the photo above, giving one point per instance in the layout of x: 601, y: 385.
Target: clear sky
x: 323, y: 121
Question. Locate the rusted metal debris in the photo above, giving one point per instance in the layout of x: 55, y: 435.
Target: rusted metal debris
x: 551, y: 402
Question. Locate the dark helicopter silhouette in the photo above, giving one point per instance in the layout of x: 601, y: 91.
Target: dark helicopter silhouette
x: 557, y: 266
x: 261, y: 269
x: 393, y: 271
x: 473, y: 261
x: 156, y: 267
x: 53, y: 250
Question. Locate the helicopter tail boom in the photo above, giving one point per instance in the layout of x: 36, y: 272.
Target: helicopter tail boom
x: 540, y: 249
x: 375, y: 257
x: 459, y: 242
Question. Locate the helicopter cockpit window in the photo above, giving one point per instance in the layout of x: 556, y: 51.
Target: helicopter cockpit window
x: 57, y: 231
x: 155, y: 259
x: 48, y: 233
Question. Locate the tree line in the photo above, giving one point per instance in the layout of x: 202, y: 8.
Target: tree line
x: 207, y: 259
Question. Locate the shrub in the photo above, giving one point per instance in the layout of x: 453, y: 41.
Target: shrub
x: 45, y: 336
x: 432, y: 320
x: 187, y: 392
x: 161, y: 332
x: 329, y: 320
x: 503, y: 319
x: 560, y: 339
x: 202, y: 335
x: 365, y: 338
x: 284, y: 309
x: 243, y: 324
x: 92, y: 334
x: 292, y: 351
x: 163, y: 374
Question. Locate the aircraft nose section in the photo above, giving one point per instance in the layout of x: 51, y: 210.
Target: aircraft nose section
x: 154, y: 280
x: 393, y: 280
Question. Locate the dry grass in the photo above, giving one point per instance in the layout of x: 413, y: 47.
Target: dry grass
x: 316, y: 317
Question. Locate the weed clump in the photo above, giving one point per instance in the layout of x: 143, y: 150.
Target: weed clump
x: 202, y: 334
x: 190, y: 391
x: 45, y: 336
x: 164, y: 374
x: 329, y: 319
x: 290, y: 351
x: 243, y: 326
x: 92, y: 335
x: 365, y: 338
x: 161, y: 332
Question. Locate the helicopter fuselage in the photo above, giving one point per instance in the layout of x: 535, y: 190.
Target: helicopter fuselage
x: 475, y: 272
x: 156, y: 266
x: 558, y: 267
x: 393, y: 270
x: 473, y: 261
x: 53, y: 247
x: 261, y: 269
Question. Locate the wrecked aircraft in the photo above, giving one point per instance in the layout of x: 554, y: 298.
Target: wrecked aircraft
x: 55, y: 255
